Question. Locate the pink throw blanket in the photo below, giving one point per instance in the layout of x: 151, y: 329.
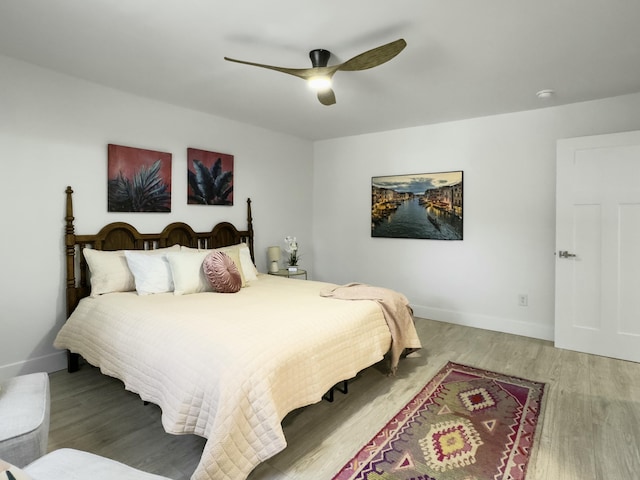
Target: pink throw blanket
x: 397, y: 313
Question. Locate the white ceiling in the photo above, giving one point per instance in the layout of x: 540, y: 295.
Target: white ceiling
x: 464, y: 58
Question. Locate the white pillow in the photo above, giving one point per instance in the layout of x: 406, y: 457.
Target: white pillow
x: 110, y: 271
x: 187, y: 272
x: 152, y: 273
x: 248, y: 268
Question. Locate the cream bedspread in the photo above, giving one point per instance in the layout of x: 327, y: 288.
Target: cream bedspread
x: 229, y: 367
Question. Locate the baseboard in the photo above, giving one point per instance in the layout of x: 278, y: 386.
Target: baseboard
x: 485, y: 322
x: 47, y: 363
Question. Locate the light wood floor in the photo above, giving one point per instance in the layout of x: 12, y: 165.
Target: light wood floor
x: 590, y: 429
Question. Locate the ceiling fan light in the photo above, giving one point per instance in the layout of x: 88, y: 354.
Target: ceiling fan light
x: 319, y: 83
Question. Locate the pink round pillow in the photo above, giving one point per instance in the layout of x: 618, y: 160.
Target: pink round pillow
x: 222, y: 273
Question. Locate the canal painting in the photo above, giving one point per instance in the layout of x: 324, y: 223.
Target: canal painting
x: 425, y: 206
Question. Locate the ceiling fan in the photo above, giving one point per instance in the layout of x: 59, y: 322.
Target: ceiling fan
x: 319, y: 75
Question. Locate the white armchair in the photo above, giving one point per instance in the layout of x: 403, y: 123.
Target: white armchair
x: 69, y: 464
x: 24, y: 434
x: 24, y: 418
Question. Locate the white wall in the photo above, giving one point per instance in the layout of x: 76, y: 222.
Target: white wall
x: 54, y: 132
x: 509, y: 213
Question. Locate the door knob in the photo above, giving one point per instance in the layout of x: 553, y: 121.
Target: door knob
x: 565, y: 254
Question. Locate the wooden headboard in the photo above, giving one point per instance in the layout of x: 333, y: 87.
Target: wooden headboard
x: 123, y: 236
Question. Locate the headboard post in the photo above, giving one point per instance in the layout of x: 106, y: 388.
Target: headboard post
x: 70, y: 247
x: 250, y: 230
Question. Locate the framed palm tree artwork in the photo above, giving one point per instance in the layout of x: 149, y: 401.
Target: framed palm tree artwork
x: 139, y: 180
x: 210, y: 177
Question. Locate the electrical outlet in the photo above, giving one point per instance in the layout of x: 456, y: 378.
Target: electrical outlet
x: 523, y: 299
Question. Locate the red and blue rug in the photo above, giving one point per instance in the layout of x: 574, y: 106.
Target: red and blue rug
x: 465, y: 424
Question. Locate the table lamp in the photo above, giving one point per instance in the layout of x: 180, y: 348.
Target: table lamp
x: 273, y: 255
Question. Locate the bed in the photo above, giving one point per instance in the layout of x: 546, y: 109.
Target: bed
x: 227, y: 367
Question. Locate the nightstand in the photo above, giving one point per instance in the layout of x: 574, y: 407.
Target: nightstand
x: 283, y: 272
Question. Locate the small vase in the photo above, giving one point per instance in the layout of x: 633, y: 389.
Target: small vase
x: 292, y: 268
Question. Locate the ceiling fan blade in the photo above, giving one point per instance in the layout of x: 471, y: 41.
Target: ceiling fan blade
x: 374, y: 57
x: 298, y: 72
x: 304, y: 73
x: 327, y: 97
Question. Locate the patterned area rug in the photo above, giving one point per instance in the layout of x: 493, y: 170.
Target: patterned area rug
x: 465, y: 424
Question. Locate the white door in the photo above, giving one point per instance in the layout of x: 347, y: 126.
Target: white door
x: 598, y: 245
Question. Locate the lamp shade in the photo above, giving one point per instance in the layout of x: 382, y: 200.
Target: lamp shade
x: 273, y: 255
